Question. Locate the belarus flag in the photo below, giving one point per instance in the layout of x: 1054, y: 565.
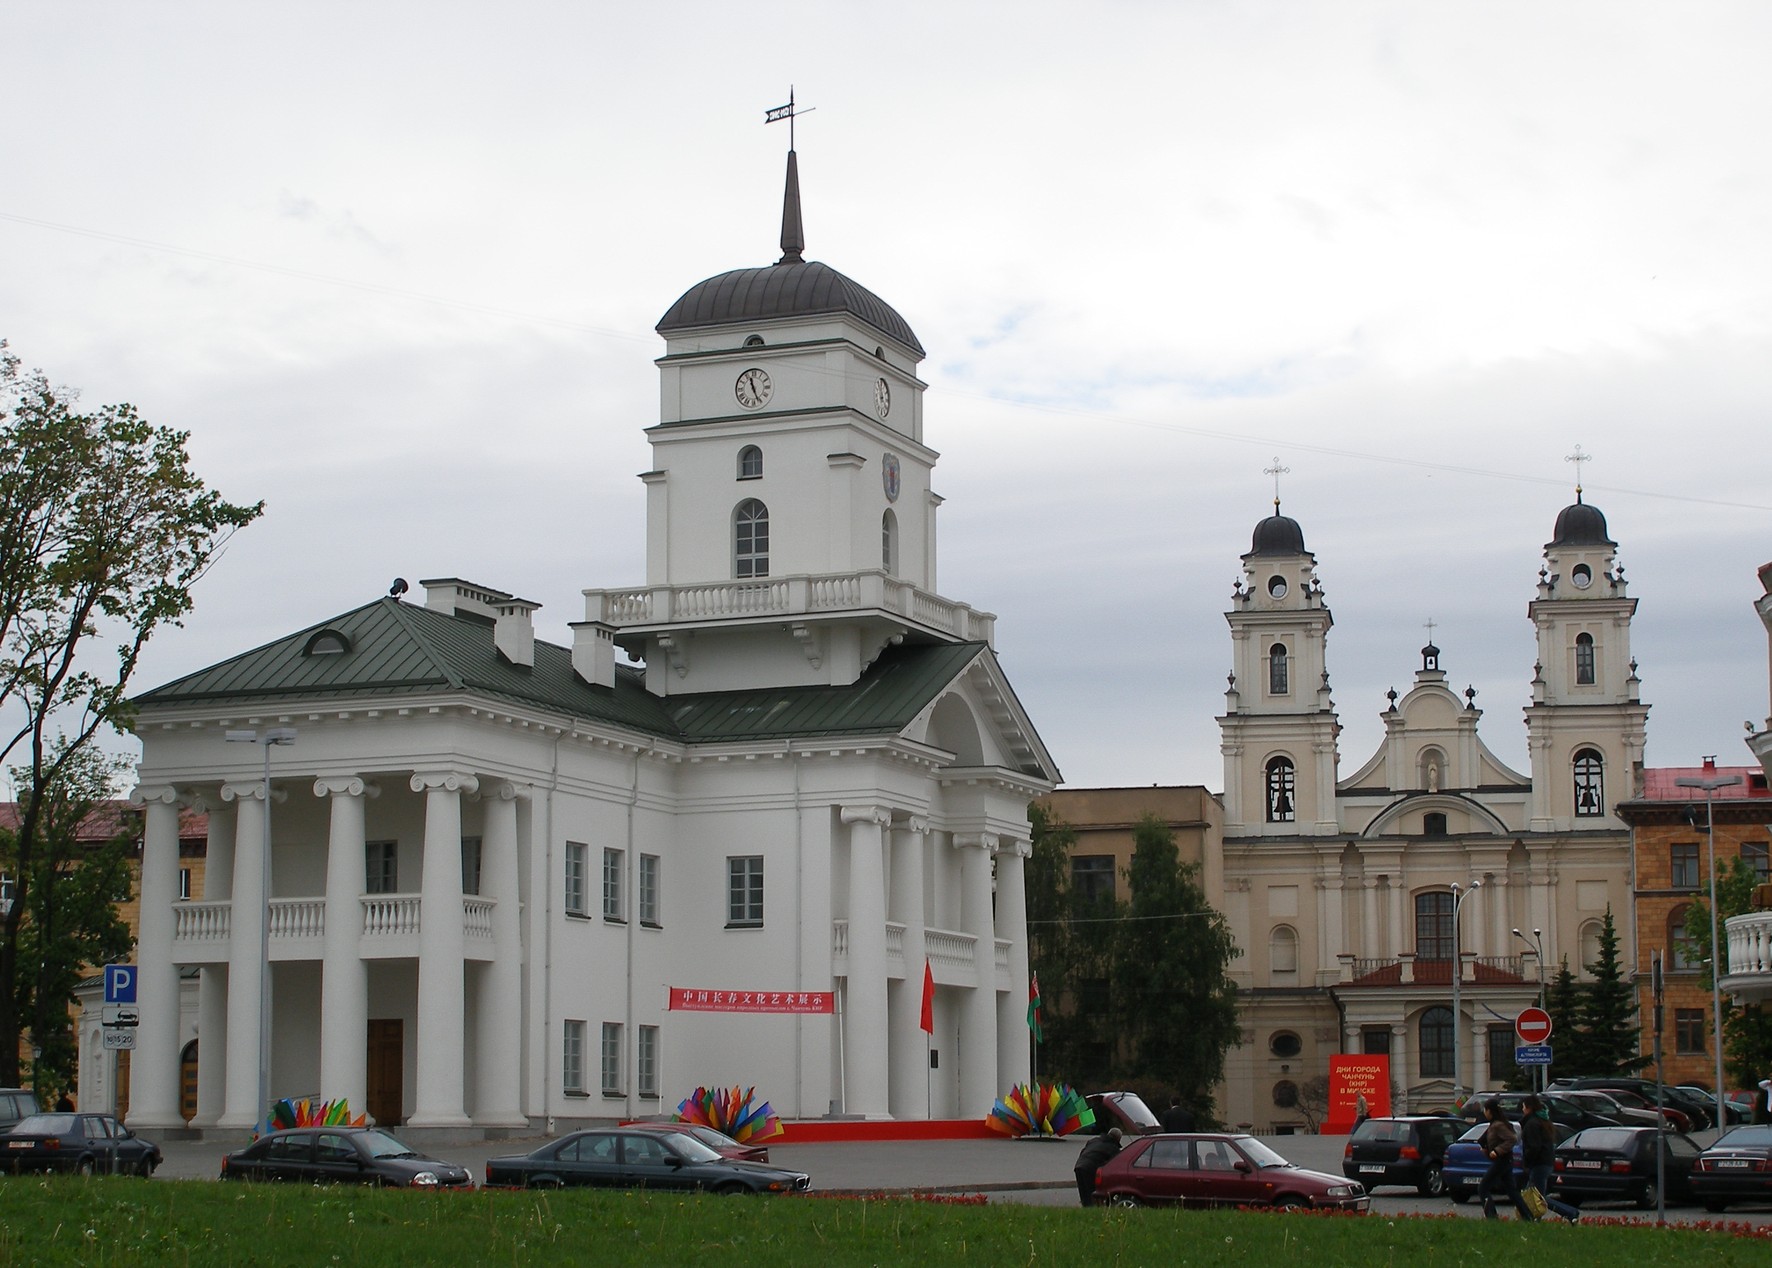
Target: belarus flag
x: 1034, y: 1008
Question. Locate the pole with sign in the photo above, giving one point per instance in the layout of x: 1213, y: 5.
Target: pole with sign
x: 1533, y: 1027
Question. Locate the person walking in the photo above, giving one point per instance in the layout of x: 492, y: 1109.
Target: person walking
x: 1538, y: 1153
x: 1089, y: 1163
x: 1178, y: 1117
x: 1497, y: 1144
x: 1362, y: 1111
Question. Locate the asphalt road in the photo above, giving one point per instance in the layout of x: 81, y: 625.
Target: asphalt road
x: 1029, y: 1172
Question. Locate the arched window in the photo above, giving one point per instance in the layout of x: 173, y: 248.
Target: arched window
x: 889, y: 543
x: 1584, y: 660
x: 1590, y: 945
x: 1282, y: 954
x: 1590, y: 784
x: 1276, y: 670
x: 1684, y: 954
x: 1433, y: 927
x: 1433, y: 823
x: 750, y: 463
x: 750, y: 540
x: 1436, y: 1043
x: 1281, y: 808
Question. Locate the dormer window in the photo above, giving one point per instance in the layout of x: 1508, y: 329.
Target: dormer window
x: 750, y: 463
x: 1584, y: 660
x: 327, y: 642
x: 753, y: 341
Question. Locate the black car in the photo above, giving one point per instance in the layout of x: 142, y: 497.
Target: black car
x: 1618, y: 1164
x: 1565, y: 1111
x: 1408, y: 1151
x: 15, y: 1104
x: 1738, y: 1168
x: 81, y: 1143
x: 626, y: 1158
x: 1125, y: 1110
x: 341, y: 1155
x: 1699, y: 1113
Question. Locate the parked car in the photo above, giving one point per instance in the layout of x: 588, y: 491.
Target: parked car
x: 1464, y: 1164
x: 1698, y: 1113
x: 15, y: 1104
x: 1619, y: 1164
x: 1677, y: 1119
x: 638, y: 1158
x: 1218, y: 1169
x: 81, y: 1143
x: 1407, y: 1151
x: 341, y: 1155
x: 1570, y: 1113
x: 718, y: 1141
x: 1125, y: 1110
x: 1738, y: 1106
x: 1609, y: 1106
x: 1737, y: 1169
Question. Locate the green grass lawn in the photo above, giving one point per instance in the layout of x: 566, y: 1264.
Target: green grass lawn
x: 122, y: 1221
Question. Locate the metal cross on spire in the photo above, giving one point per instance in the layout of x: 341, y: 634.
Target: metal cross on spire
x: 1276, y: 471
x: 1428, y: 625
x: 788, y: 112
x: 1578, y: 457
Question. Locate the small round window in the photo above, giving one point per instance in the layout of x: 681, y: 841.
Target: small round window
x: 1276, y: 586
x: 1285, y: 1044
x: 1285, y: 1094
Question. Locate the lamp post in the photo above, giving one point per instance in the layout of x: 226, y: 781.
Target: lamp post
x: 1459, y: 894
x: 1536, y: 942
x: 1710, y: 785
x: 269, y: 738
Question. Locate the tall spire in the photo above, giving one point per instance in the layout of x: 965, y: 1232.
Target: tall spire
x: 793, y: 237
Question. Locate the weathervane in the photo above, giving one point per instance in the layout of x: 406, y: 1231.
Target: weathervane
x: 787, y: 112
x: 1578, y: 458
x: 1276, y: 471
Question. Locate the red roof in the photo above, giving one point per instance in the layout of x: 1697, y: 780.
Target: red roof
x: 1660, y: 783
x: 111, y: 817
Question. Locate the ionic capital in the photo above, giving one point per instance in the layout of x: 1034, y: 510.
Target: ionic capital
x: 157, y: 794
x: 866, y: 814
x: 345, y: 786
x: 454, y: 781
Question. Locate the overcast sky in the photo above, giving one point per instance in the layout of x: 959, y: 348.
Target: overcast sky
x: 396, y: 266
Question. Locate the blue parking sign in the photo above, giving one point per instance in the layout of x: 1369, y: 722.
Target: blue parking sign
x: 119, y: 983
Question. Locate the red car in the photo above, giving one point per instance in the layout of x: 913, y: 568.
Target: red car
x: 718, y: 1141
x: 1217, y: 1169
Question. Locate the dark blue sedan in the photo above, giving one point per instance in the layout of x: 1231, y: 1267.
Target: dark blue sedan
x: 82, y: 1143
x: 1465, y: 1164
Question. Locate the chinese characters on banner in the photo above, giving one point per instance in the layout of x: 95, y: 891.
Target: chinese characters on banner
x: 689, y: 999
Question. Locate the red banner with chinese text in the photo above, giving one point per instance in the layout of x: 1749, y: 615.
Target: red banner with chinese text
x: 691, y: 999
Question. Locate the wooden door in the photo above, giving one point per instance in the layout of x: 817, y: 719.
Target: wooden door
x: 387, y: 1070
x: 187, y: 1082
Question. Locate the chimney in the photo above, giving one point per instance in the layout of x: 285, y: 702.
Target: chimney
x: 593, y: 652
x: 513, y: 632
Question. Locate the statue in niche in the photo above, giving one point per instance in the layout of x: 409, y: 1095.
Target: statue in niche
x: 1433, y: 775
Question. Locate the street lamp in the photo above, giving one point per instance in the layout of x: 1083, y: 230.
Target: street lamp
x: 1459, y: 894
x: 270, y: 737
x: 1710, y: 786
x: 1536, y: 942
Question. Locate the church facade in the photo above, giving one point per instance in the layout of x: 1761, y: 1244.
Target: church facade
x: 1361, y: 898
x: 471, y: 864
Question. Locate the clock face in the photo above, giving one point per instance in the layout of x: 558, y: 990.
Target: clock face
x: 882, y: 398
x: 753, y: 388
x: 889, y: 476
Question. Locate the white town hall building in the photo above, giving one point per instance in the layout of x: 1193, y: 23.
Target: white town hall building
x: 490, y: 856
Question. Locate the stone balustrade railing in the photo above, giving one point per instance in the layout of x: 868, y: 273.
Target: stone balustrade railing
x: 202, y: 922
x: 476, y: 917
x: 1749, y: 978
x: 387, y: 915
x: 298, y: 917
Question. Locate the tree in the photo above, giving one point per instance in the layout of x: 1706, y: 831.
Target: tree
x: 1607, y: 1015
x: 104, y: 528
x: 1747, y: 1029
x: 1562, y: 1001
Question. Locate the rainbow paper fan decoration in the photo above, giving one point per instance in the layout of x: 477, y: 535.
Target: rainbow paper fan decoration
x: 307, y: 1112
x: 1044, y: 1111
x: 734, y: 1111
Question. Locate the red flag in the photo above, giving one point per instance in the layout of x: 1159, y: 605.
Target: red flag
x: 1034, y: 1017
x: 927, y: 1022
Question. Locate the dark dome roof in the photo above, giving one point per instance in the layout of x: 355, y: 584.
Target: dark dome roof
x: 1278, y: 535
x: 1580, y: 525
x: 801, y: 288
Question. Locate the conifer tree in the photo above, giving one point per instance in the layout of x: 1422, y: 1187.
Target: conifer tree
x: 1608, y: 1012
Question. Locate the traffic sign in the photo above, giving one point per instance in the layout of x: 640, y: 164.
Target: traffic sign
x: 119, y: 983
x: 119, y: 1017
x: 1532, y: 1054
x: 119, y: 1040
x: 1533, y: 1026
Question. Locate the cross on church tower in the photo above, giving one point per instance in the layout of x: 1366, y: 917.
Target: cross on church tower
x: 1578, y: 457
x: 1276, y: 471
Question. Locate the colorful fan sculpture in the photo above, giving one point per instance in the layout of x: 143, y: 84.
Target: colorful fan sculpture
x: 311, y: 1113
x: 734, y: 1111
x: 1044, y: 1111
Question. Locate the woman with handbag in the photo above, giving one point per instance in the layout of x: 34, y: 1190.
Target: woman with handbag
x: 1538, y: 1153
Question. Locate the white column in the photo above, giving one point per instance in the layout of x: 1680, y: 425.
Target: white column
x: 498, y: 1084
x: 1400, y: 940
x: 908, y: 1059
x: 1369, y: 939
x: 1501, y: 939
x: 978, y: 1016
x: 344, y: 986
x: 153, y: 1069
x: 246, y: 928
x: 212, y: 985
x: 442, y: 998
x: 1014, y: 1039
x: 1402, y: 1074
x: 865, y: 1032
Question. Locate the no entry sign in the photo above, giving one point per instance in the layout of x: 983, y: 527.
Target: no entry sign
x: 1533, y: 1025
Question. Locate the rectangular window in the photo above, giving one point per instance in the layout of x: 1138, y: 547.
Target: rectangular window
x: 1375, y: 1039
x: 381, y: 867
x: 1501, y: 1054
x: 1688, y: 1030
x: 184, y: 884
x: 575, y: 879
x: 1435, y: 1033
x: 612, y: 1058
x: 5, y: 893
x: 614, y: 868
x: 572, y: 1059
x: 744, y: 890
x: 1092, y: 878
x: 1433, y: 926
x: 1683, y: 865
x: 649, y: 909
x: 470, y: 865
x: 1754, y: 854
x: 647, y: 1060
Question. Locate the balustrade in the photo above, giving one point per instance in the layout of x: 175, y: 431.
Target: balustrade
x: 1750, y: 945
x: 298, y: 917
x: 476, y: 917
x: 387, y: 915
x: 202, y: 922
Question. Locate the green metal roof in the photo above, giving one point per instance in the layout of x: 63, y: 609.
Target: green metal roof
x: 402, y: 649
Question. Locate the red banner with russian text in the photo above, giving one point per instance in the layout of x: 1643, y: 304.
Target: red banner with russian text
x: 691, y: 999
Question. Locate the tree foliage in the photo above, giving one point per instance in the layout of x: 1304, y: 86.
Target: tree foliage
x: 1747, y: 1029
x: 104, y: 528
x: 1608, y: 1011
